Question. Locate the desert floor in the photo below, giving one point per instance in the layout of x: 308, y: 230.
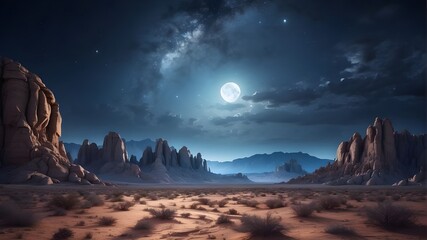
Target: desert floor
x: 37, y: 212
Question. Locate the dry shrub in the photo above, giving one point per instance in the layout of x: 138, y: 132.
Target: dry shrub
x: 223, y: 219
x: 330, y: 202
x: 185, y: 215
x: 249, y: 203
x: 62, y: 234
x: 14, y: 216
x: 233, y: 211
x: 390, y: 216
x: 274, y: 203
x: 163, y: 213
x: 303, y: 210
x: 257, y: 226
x: 94, y: 199
x: 204, y: 201
x: 143, y: 224
x: 65, y: 202
x: 123, y: 206
x: 107, y: 221
x: 222, y: 203
x: 338, y: 229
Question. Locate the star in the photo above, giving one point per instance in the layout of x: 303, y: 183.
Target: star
x: 96, y: 51
x: 284, y: 20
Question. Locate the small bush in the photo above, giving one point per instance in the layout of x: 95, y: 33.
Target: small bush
x: 222, y: 203
x: 194, y: 206
x: 65, y: 202
x: 249, y: 203
x: 14, y: 216
x: 303, y: 210
x: 81, y: 223
x: 338, y: 229
x: 390, y: 216
x: 88, y: 235
x: 185, y: 215
x: 202, y: 217
x: 107, y: 221
x: 143, y: 224
x: 233, y: 211
x: 94, y: 199
x: 163, y: 214
x: 330, y: 202
x: 274, y: 203
x: 223, y: 219
x: 204, y: 201
x: 62, y: 234
x: 123, y: 206
x: 257, y: 226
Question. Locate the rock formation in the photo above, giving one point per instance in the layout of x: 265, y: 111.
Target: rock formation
x: 30, y: 128
x: 112, y: 158
x: 169, y: 158
x: 291, y: 167
x: 383, y: 156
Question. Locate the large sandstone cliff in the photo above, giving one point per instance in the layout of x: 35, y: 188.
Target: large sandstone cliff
x: 30, y: 128
x: 383, y: 156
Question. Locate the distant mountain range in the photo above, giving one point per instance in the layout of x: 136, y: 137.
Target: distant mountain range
x: 260, y: 163
x: 133, y: 147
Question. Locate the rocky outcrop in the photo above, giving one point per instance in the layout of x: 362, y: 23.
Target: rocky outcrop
x: 383, y: 156
x: 169, y: 158
x: 30, y: 129
x: 112, y: 158
x: 290, y: 167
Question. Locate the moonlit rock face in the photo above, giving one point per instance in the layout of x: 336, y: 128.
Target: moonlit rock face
x: 230, y: 92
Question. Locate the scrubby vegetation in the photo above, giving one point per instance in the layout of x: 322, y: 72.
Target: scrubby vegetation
x: 274, y: 203
x: 390, y: 216
x: 67, y: 202
x: 257, y: 226
x: 13, y: 216
x: 163, y: 213
x: 303, y: 210
x: 63, y: 234
x: 223, y: 219
x: 143, y: 224
x: 107, y: 221
x: 338, y: 229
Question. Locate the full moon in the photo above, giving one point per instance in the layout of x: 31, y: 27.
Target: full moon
x: 230, y: 92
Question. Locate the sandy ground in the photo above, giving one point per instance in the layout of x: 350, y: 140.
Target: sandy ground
x: 201, y: 223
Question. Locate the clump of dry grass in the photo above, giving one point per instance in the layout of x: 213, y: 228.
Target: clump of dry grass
x: 94, y: 199
x: 163, y: 213
x: 107, y: 221
x: 13, y: 216
x: 248, y: 202
x: 330, y: 202
x: 303, y: 210
x: 185, y: 215
x: 390, y: 216
x: 143, y: 224
x: 204, y: 201
x: 274, y: 203
x: 222, y: 203
x: 67, y: 202
x: 123, y: 206
x: 339, y: 229
x: 223, y: 219
x: 257, y: 226
x: 233, y: 211
x: 63, y: 234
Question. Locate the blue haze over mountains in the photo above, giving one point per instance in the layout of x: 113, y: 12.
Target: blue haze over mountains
x: 258, y: 163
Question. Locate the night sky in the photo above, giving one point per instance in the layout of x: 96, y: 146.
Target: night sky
x: 311, y: 72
